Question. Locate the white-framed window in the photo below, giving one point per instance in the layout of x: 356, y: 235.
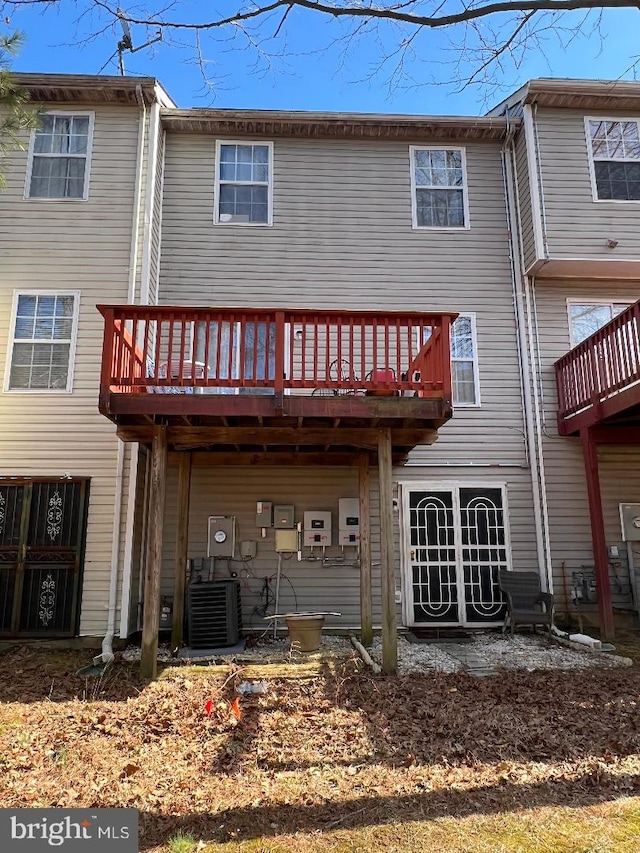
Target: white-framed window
x: 43, y: 340
x: 585, y: 318
x: 465, y: 377
x: 60, y: 156
x: 439, y: 187
x: 244, y: 183
x: 614, y: 149
x: 464, y: 362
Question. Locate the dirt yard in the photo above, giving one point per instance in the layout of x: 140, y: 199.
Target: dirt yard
x: 330, y: 757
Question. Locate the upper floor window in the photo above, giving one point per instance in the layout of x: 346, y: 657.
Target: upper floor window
x: 615, y: 158
x: 439, y: 188
x: 244, y: 188
x: 587, y: 318
x: 44, y: 333
x: 59, y: 157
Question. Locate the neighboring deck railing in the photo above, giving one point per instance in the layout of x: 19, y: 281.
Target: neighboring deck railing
x: 600, y: 368
x: 168, y: 349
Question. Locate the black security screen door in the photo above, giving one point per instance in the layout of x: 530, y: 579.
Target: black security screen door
x: 42, y: 538
x: 457, y: 545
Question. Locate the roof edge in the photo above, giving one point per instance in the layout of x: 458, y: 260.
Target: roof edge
x: 90, y: 88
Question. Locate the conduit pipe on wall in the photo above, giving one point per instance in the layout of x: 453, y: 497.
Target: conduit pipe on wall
x: 106, y: 655
x: 516, y: 257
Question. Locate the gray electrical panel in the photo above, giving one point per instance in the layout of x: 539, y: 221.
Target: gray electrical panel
x: 264, y: 514
x: 630, y: 521
x: 348, y: 521
x: 221, y: 541
x: 283, y: 516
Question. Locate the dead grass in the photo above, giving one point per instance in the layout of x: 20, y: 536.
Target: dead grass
x: 331, y: 759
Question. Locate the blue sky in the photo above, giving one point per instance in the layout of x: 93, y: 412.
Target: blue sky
x: 314, y: 75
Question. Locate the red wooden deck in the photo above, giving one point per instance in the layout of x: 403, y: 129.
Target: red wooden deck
x: 599, y: 380
x: 269, y: 380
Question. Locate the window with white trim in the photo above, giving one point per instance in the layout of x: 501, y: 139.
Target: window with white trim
x: 438, y: 188
x: 59, y: 157
x: 43, y: 341
x: 585, y: 318
x: 615, y: 157
x: 464, y: 361
x: 243, y: 191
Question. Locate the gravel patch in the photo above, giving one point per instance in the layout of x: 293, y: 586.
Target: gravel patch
x: 414, y: 657
x: 537, y: 652
x: 267, y: 651
x: 491, y: 651
x: 488, y: 651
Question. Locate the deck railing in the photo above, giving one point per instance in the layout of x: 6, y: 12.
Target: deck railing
x: 167, y: 349
x: 600, y: 367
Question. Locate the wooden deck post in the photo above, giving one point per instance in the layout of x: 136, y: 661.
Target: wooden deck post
x: 366, y: 618
x: 182, y: 544
x: 387, y: 556
x: 151, y: 616
x: 600, y: 556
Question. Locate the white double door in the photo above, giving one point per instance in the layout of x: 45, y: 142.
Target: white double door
x: 455, y: 541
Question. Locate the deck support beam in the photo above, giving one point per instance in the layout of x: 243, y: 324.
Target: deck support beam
x: 387, y: 555
x: 151, y: 615
x: 364, y: 490
x: 600, y: 556
x: 182, y: 546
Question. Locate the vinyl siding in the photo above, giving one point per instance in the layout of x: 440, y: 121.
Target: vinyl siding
x: 235, y: 491
x: 576, y: 225
x: 342, y: 238
x: 156, y: 223
x: 570, y: 531
x: 523, y: 190
x: 84, y: 246
x: 336, y: 585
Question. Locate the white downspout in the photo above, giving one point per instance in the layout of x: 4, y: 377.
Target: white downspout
x: 517, y: 273
x: 107, y: 643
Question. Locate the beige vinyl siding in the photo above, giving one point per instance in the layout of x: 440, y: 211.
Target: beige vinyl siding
x: 84, y: 246
x: 342, y: 238
x: 576, y: 225
x: 523, y: 190
x: 156, y: 223
x: 570, y: 531
x: 336, y: 584
x: 235, y: 491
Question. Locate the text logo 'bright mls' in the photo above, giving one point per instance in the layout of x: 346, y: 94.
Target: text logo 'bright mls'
x: 36, y: 830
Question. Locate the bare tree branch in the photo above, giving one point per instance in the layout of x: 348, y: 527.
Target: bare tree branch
x: 389, y: 13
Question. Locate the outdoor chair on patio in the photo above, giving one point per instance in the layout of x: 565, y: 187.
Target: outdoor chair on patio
x: 527, y: 604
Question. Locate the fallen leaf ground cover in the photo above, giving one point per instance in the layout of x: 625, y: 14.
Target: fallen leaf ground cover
x: 330, y: 758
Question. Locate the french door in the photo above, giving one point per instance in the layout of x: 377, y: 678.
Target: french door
x: 42, y: 538
x: 455, y: 542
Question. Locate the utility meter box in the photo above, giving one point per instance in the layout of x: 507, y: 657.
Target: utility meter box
x: 264, y: 514
x: 283, y: 515
x: 221, y: 541
x: 317, y: 528
x: 630, y: 520
x: 286, y: 541
x: 348, y: 521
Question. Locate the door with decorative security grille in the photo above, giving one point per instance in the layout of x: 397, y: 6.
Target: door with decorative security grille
x: 456, y: 542
x: 42, y: 537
